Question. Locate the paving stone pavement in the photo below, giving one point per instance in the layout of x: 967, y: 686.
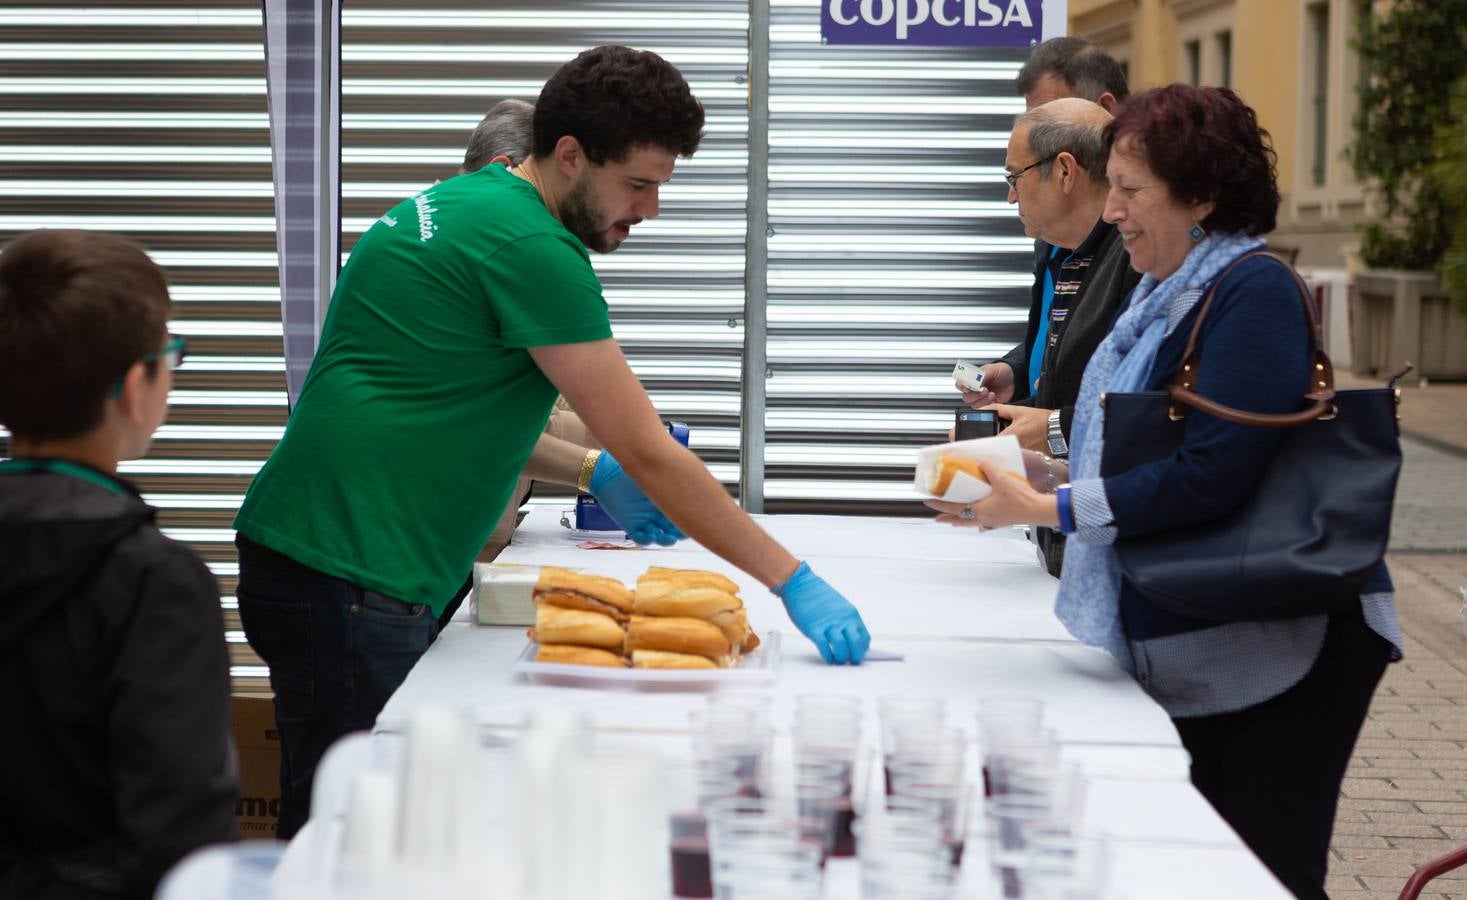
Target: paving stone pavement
x: 1404, y: 800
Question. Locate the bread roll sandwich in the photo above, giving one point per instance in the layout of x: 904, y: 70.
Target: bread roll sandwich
x: 580, y: 656
x: 565, y: 589
x: 554, y: 625
x: 696, y: 594
x: 659, y: 580
x: 663, y: 659
x: 679, y: 635
x: 948, y: 466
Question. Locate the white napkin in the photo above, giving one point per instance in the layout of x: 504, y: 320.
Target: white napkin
x: 1003, y: 449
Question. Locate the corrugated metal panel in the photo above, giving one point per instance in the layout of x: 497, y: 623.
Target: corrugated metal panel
x: 149, y: 120
x: 893, y: 254
x: 417, y: 81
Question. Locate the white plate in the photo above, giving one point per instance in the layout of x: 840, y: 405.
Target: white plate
x: 757, y: 668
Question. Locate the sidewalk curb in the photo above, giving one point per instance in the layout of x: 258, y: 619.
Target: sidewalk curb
x: 1435, y: 443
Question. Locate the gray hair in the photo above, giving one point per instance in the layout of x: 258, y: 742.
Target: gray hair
x: 505, y: 131
x: 1069, y: 125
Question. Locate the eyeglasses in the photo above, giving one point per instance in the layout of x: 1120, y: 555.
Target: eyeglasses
x: 1013, y: 177
x: 171, y: 353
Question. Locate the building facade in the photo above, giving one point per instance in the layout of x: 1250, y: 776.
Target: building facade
x: 1292, y: 61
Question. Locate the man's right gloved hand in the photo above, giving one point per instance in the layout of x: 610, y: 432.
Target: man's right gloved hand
x: 625, y: 502
x: 825, y: 617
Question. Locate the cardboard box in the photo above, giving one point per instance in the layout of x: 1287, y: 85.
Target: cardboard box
x: 252, y: 717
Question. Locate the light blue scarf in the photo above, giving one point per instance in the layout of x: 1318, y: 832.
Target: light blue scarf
x: 1089, y: 594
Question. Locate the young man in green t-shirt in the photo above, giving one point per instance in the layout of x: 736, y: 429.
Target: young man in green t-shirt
x: 459, y: 316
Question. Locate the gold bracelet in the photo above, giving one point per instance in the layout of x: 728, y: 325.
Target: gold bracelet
x: 588, y: 467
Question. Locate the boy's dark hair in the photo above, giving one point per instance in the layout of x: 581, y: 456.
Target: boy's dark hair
x: 1086, y: 69
x: 77, y: 309
x: 614, y: 98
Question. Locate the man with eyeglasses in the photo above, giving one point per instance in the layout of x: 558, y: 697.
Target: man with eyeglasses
x: 1056, y: 177
x: 117, y: 759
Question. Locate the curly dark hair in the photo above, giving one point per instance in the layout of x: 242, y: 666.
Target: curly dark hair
x: 1206, y: 145
x: 77, y: 310
x: 614, y: 98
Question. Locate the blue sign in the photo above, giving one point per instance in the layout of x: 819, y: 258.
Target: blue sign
x: 951, y: 23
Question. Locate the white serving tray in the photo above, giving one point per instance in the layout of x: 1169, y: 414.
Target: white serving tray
x: 754, y: 669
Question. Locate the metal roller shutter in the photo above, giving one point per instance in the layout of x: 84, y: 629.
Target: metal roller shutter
x: 893, y: 253
x: 149, y: 120
x: 417, y: 81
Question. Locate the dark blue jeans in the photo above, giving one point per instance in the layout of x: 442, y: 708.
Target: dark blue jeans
x: 336, y: 652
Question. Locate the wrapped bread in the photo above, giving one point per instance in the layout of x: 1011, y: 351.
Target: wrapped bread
x: 565, y: 589
x: 949, y: 466
x: 678, y: 635
x: 580, y: 656
x: 663, y: 659
x: 554, y: 625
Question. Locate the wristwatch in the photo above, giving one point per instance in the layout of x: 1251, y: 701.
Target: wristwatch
x: 1058, y: 448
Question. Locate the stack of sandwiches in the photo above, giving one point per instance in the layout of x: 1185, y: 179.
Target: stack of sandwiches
x: 676, y: 619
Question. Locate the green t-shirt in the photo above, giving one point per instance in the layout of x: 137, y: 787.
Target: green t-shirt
x: 423, y: 404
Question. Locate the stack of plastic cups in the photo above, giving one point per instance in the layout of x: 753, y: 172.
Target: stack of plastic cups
x: 1008, y: 728
x: 827, y: 732
x: 692, y: 788
x: 941, y: 783
x: 1035, y: 809
x: 903, y: 851
x: 788, y: 873
x: 747, y: 834
x: 905, y: 714
x: 736, y: 733
x: 617, y: 804
x: 819, y: 798
x: 1060, y: 858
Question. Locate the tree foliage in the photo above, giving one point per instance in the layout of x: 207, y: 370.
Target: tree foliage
x: 1412, y: 54
x: 1450, y: 171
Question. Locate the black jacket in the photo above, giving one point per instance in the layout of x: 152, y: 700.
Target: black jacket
x: 116, y: 758
x: 1106, y: 284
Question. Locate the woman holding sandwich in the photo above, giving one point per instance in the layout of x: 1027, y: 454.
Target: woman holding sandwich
x: 1269, y: 711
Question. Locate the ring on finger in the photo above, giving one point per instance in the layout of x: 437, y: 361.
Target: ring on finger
x: 967, y: 514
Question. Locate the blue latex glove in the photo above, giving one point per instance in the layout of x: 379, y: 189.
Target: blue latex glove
x: 825, y: 617
x: 619, y: 495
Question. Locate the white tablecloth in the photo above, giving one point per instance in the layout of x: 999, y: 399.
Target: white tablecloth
x: 973, y: 615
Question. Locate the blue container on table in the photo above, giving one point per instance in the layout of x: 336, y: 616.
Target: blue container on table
x: 589, y: 514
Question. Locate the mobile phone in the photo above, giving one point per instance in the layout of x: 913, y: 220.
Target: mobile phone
x: 969, y: 375
x: 975, y: 423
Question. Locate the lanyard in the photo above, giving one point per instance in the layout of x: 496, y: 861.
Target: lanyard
x: 65, y: 467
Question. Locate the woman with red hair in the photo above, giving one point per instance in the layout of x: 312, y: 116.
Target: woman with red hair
x: 1268, y: 710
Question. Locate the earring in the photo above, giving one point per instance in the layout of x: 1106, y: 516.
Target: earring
x: 1196, y: 233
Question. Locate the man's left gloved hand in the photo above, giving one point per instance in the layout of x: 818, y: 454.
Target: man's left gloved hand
x: 625, y: 502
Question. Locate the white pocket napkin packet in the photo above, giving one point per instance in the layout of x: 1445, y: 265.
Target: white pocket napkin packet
x: 965, y: 488
x: 504, y: 593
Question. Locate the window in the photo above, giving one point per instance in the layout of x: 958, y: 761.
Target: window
x: 1224, y: 44
x: 1316, y: 73
x: 1192, y: 62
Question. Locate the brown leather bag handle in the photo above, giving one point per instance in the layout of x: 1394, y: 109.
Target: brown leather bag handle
x: 1322, y: 373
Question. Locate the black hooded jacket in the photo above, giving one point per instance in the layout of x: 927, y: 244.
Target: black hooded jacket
x: 115, y: 755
